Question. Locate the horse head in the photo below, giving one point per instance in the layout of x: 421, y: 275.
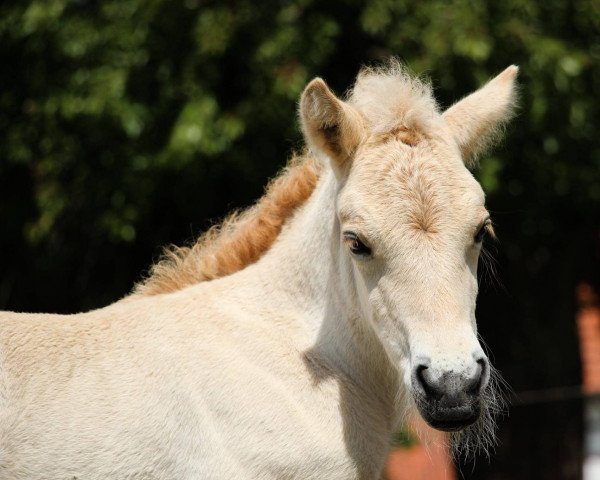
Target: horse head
x: 412, y: 220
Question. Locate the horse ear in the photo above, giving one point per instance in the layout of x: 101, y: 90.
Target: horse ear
x: 330, y: 125
x: 476, y: 120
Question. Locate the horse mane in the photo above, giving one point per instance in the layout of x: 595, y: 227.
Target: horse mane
x: 241, y: 239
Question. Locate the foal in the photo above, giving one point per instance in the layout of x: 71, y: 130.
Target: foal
x: 293, y: 341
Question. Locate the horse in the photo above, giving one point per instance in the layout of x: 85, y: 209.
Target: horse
x: 291, y: 341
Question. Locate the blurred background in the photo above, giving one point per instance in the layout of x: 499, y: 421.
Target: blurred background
x: 126, y: 125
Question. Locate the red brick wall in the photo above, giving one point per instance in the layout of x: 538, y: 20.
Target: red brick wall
x: 588, y: 324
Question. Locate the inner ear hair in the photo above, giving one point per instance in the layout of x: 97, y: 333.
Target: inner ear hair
x: 329, y: 124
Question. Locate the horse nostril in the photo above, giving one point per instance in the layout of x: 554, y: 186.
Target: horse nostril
x: 427, y: 385
x: 480, y: 379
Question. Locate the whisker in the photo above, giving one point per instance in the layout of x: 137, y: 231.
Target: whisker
x: 480, y: 438
x: 489, y: 268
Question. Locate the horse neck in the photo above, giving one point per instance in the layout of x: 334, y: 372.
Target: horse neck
x: 306, y: 270
x: 304, y: 267
x: 304, y: 258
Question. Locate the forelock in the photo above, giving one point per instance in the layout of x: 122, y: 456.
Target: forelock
x: 393, y: 100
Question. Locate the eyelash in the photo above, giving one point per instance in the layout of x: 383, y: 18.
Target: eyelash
x: 356, y: 245
x: 485, y: 228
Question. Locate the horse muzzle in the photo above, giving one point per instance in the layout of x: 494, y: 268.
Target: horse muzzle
x: 448, y: 400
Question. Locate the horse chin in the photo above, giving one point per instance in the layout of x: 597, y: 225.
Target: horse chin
x: 449, y: 419
x: 449, y: 424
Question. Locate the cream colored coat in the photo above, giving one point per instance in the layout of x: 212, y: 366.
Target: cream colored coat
x: 296, y: 366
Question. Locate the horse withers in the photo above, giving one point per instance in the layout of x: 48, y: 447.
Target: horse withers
x: 294, y: 339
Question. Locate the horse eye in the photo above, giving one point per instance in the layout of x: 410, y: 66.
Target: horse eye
x: 480, y: 235
x: 356, y: 246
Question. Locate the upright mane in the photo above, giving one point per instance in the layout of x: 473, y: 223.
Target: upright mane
x: 390, y: 100
x: 241, y: 239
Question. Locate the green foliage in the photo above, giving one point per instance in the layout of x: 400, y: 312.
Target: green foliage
x: 404, y: 438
